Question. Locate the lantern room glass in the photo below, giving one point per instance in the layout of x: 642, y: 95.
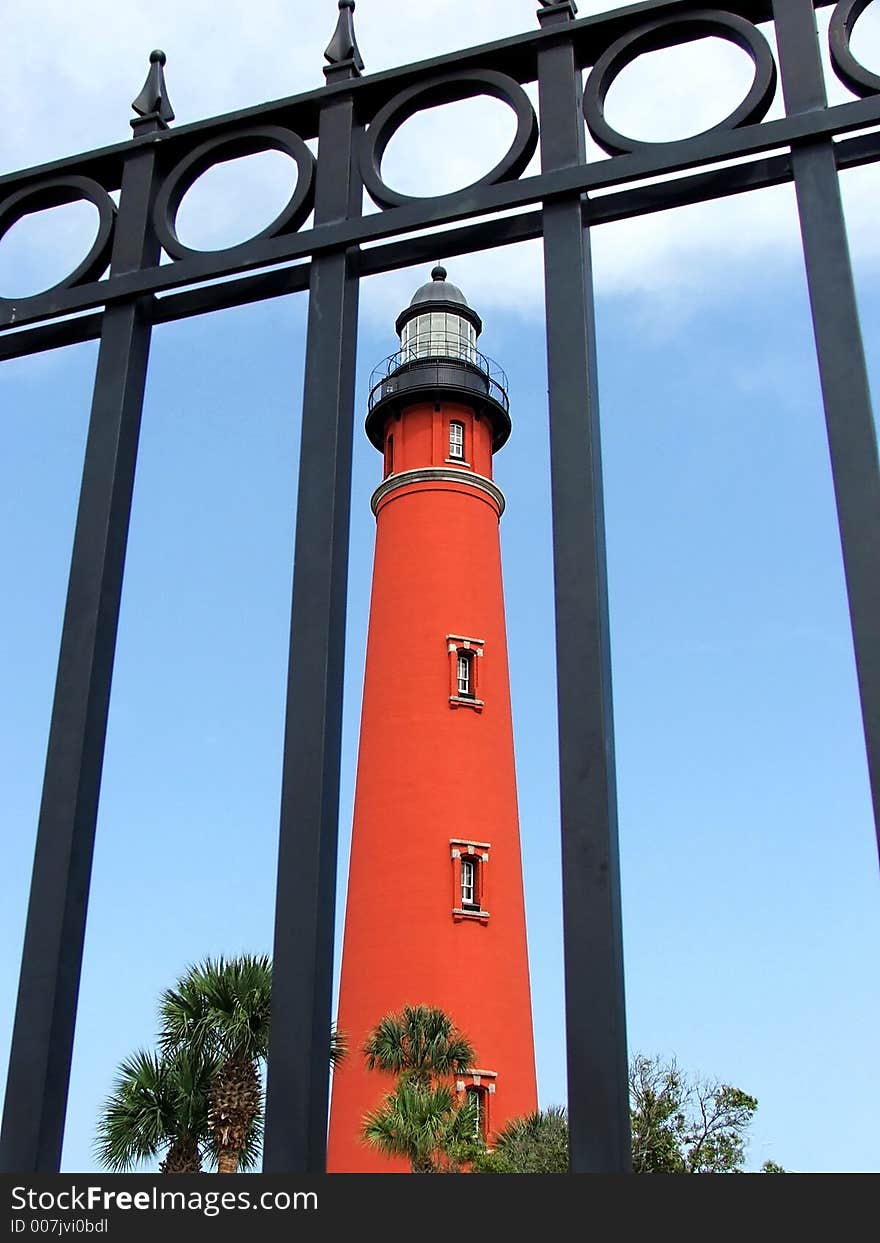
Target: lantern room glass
x: 439, y: 334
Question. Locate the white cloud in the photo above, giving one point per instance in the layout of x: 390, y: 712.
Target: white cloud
x: 71, y: 71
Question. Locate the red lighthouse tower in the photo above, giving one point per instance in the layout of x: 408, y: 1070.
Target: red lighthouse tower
x: 435, y: 910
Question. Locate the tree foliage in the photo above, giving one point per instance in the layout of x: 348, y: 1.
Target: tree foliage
x: 685, y: 1125
x: 680, y: 1125
x: 535, y: 1144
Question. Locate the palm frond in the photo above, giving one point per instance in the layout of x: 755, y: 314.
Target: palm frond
x: 221, y: 1006
x: 420, y: 1043
x: 534, y: 1144
x: 426, y: 1125
x: 156, y: 1101
x: 338, y: 1045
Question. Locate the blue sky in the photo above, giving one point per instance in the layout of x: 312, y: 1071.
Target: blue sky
x: 749, y: 866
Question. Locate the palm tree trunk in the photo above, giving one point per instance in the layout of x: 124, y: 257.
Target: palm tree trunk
x: 227, y: 1161
x: 183, y: 1157
x: 234, y: 1103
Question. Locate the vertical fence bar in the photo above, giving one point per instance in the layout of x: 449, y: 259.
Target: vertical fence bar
x: 849, y: 419
x: 45, y: 1016
x: 598, y: 1096
x: 297, y: 1087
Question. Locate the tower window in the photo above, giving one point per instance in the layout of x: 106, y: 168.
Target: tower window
x: 469, y: 883
x: 470, y: 861
x: 389, y: 456
x: 477, y: 1096
x: 465, y: 674
x: 456, y: 440
x: 465, y: 658
x: 478, y: 1086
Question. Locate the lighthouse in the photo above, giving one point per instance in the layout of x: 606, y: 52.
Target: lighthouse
x: 435, y: 912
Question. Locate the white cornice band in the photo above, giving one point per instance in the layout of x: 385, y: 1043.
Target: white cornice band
x: 438, y: 474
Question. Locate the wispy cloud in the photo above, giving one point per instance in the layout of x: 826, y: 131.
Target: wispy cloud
x: 71, y: 71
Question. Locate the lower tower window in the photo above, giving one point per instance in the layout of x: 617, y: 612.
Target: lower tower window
x: 469, y: 875
x: 465, y: 676
x: 477, y: 1097
x: 469, y: 883
x: 479, y: 1086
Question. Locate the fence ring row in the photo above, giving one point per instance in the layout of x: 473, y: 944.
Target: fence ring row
x: 450, y: 88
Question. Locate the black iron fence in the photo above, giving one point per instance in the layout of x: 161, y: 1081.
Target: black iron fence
x: 354, y: 118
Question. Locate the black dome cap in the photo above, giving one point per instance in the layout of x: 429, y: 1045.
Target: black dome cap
x: 441, y: 295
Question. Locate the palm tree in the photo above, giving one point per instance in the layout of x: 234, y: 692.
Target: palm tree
x: 221, y: 1009
x: 420, y: 1044
x: 424, y: 1124
x: 422, y: 1120
x: 157, y: 1104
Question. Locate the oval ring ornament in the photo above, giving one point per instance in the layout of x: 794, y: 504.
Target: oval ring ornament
x: 851, y: 72
x: 218, y: 151
x: 669, y: 32
x: 58, y: 193
x: 448, y: 89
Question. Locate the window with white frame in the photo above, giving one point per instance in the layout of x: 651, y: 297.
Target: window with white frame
x: 465, y: 674
x: 469, y: 863
x: 456, y: 440
x: 469, y: 883
x: 465, y: 660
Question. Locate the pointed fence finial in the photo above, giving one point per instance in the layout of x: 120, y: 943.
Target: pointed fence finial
x: 153, y: 105
x: 342, y: 51
x: 556, y: 10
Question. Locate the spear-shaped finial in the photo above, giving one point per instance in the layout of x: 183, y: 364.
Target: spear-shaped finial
x: 342, y: 50
x: 556, y: 10
x: 153, y: 105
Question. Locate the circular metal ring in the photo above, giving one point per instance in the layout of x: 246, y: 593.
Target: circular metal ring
x: 448, y: 89
x: 668, y: 32
x: 57, y: 193
x: 217, y: 151
x: 851, y: 72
